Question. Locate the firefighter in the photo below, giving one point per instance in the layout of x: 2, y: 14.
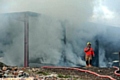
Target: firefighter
x: 89, y: 53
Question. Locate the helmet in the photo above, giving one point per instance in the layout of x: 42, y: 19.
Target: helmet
x: 88, y: 43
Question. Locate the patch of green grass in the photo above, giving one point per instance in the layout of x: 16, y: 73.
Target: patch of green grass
x: 60, y: 76
x: 67, y: 76
x: 44, y: 73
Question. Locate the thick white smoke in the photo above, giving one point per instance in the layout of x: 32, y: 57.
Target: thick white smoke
x: 47, y: 33
x: 45, y: 40
x: 11, y: 40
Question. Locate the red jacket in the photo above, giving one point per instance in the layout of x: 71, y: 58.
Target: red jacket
x: 89, y: 51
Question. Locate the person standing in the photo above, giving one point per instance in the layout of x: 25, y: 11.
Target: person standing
x: 89, y: 53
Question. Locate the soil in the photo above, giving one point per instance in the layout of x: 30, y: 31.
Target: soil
x: 87, y: 76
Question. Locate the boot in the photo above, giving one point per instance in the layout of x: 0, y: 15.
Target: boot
x: 87, y: 65
x: 90, y: 65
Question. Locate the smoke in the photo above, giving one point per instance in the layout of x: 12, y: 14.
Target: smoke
x: 45, y: 40
x: 106, y: 12
x: 72, y: 21
x: 73, y: 10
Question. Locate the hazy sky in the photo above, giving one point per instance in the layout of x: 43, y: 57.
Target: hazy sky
x: 105, y: 11
x: 75, y: 10
x: 56, y: 7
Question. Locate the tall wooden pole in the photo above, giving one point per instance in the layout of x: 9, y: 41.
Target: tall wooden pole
x: 26, y: 41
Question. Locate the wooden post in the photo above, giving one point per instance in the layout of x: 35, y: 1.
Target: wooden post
x: 26, y: 41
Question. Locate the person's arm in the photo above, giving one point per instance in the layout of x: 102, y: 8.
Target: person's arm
x: 86, y: 49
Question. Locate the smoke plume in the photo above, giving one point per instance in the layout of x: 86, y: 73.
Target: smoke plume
x: 59, y: 34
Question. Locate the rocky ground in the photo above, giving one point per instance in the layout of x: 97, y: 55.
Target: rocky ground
x: 55, y: 74
x: 104, y: 71
x: 88, y: 76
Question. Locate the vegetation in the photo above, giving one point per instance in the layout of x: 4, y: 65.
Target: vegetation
x: 43, y: 73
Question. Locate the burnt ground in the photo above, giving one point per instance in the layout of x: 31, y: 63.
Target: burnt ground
x: 104, y: 71
x: 87, y: 76
x: 82, y: 75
